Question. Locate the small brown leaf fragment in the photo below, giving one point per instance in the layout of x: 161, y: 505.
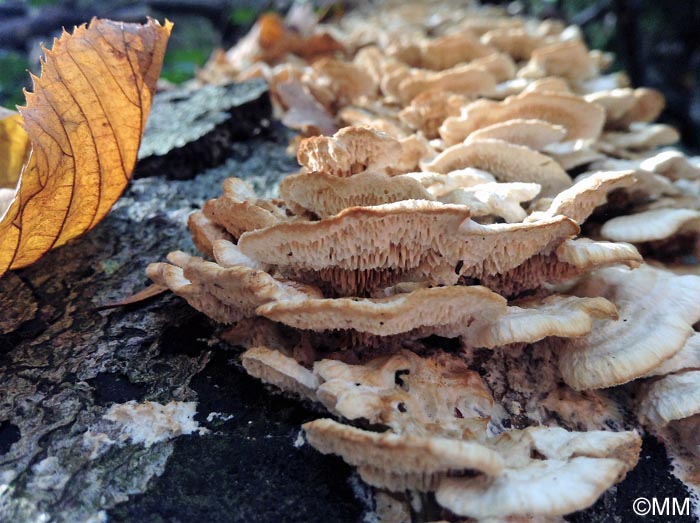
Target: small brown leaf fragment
x: 304, y: 111
x: 144, y: 294
x: 272, y: 31
x: 84, y: 119
x: 271, y: 39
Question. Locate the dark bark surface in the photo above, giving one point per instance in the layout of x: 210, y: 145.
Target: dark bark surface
x: 63, y: 365
x: 208, y: 123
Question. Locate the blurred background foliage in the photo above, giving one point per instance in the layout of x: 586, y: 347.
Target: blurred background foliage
x: 657, y: 43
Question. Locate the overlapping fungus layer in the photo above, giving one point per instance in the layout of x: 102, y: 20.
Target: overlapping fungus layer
x: 436, y: 269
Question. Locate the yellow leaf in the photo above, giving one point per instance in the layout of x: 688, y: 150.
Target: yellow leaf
x: 14, y: 147
x: 84, y: 119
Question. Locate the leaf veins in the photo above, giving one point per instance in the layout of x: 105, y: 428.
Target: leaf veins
x: 84, y: 120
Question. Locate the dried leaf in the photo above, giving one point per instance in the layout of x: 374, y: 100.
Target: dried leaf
x: 144, y: 294
x: 14, y: 147
x: 84, y: 119
x: 275, y: 39
x: 304, y: 112
x: 272, y: 30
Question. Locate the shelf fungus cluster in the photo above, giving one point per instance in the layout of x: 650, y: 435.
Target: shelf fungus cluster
x: 486, y: 235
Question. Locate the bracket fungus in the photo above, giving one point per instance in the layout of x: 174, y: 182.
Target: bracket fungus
x: 227, y: 294
x: 656, y: 224
x: 504, y: 480
x: 206, y: 232
x: 507, y: 162
x: 639, y: 137
x: 401, y: 462
x: 435, y: 277
x: 532, y: 133
x: 284, y: 372
x: 326, y: 195
x: 499, y: 200
x: 380, y: 244
x: 578, y: 201
x: 422, y: 395
x: 673, y: 397
x: 428, y: 110
x: 686, y: 358
x: 466, y: 80
x: 625, y: 105
x: 657, y: 310
x: 674, y: 165
x: 474, y: 313
x: 570, y: 60
x: 549, y: 487
x: 581, y: 119
x: 442, y: 52
x: 518, y: 42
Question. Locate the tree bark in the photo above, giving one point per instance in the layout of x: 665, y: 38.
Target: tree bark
x: 64, y: 366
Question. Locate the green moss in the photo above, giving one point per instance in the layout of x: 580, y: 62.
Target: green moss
x: 243, y: 15
x: 42, y: 3
x: 14, y: 75
x: 109, y: 267
x: 180, y: 64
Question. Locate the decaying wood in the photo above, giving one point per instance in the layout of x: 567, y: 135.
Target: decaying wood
x: 208, y: 122
x: 63, y: 365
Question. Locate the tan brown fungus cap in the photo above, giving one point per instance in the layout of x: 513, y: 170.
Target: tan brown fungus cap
x: 326, y: 195
x: 238, y: 210
x: 399, y: 462
x: 462, y: 79
x: 544, y: 487
x: 346, y: 81
x: 673, y: 165
x: 570, y: 260
x: 506, y: 161
x: 238, y: 217
x: 442, y: 52
x: 205, y: 232
x: 532, y: 320
x: 686, y: 358
x: 671, y: 398
x: 501, y: 200
x: 580, y: 200
x: 421, y: 395
x: 656, y: 224
x: 550, y: 471
x: 641, y: 136
x: 224, y: 294
x: 349, y: 151
x: 440, y: 310
x: 433, y: 239
x: 582, y: 119
x: 428, y: 110
x: 657, y: 310
x: 532, y: 133
x: 518, y: 42
x: 275, y: 368
x: 626, y: 105
x: 570, y: 60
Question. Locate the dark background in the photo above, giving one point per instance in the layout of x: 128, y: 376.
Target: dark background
x: 657, y: 43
